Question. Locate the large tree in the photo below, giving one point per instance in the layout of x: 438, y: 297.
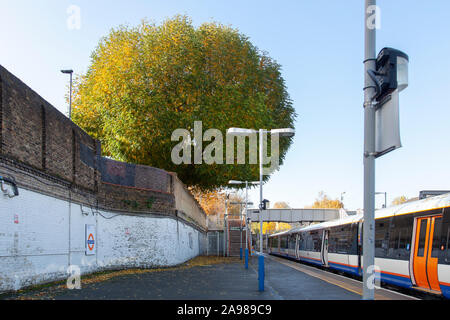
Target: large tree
x: 146, y: 81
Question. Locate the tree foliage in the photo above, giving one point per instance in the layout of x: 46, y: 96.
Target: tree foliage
x: 324, y: 202
x: 213, y: 202
x: 273, y: 227
x: 146, y: 81
x: 399, y: 200
x: 281, y: 205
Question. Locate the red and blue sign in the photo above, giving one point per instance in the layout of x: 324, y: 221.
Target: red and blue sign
x: 90, y: 239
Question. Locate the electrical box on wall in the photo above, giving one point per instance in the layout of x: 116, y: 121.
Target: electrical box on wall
x: 90, y: 238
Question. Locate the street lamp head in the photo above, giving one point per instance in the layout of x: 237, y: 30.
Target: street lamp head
x: 235, y: 182
x: 240, y: 131
x: 67, y: 71
x: 285, y: 132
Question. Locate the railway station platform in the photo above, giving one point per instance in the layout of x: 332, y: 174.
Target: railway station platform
x: 285, y: 280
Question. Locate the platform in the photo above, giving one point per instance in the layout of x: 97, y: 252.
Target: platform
x: 285, y: 280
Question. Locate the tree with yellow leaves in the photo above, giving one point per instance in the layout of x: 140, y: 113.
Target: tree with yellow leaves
x: 324, y: 202
x: 145, y: 82
x: 213, y: 202
x: 399, y: 200
x: 273, y: 227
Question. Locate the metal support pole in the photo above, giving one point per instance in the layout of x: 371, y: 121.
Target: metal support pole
x: 240, y: 229
x: 369, y: 153
x: 246, y: 225
x: 251, y: 240
x: 261, y: 257
x: 227, y: 249
x: 224, y: 230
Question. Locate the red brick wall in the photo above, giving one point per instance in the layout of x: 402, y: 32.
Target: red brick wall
x: 35, y: 134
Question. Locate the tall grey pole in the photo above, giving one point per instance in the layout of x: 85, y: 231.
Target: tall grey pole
x: 261, y: 131
x: 369, y: 152
x: 240, y: 231
x: 246, y: 208
x: 225, y: 229
x: 227, y: 249
x: 261, y: 257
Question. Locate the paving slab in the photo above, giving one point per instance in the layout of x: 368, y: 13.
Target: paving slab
x: 225, y: 281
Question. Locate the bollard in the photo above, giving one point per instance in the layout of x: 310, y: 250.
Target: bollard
x: 246, y: 258
x: 261, y: 272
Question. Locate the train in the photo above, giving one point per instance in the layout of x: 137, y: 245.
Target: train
x: 411, y: 245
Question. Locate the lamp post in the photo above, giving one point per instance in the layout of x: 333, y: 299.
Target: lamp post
x: 246, y: 220
x: 70, y: 93
x: 385, y: 76
x: 285, y: 132
x: 225, y: 226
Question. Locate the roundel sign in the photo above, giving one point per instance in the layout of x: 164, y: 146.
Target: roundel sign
x: 90, y: 239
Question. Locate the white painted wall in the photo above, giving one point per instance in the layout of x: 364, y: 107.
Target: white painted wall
x: 36, y: 232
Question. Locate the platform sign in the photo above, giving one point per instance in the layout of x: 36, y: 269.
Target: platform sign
x: 387, y: 125
x: 90, y: 238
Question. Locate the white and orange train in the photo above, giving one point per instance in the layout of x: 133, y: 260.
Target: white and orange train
x: 411, y: 245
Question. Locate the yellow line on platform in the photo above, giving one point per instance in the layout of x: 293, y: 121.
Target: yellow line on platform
x: 331, y: 278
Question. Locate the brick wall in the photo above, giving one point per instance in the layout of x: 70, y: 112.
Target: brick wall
x: 39, y: 139
x: 186, y: 204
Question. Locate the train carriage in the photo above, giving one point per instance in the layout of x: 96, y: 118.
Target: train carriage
x: 411, y: 245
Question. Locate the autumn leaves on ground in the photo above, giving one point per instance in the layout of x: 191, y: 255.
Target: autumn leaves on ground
x: 49, y: 290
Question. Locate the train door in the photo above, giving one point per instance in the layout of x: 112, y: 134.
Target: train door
x: 296, y: 246
x: 324, y: 251
x: 425, y: 260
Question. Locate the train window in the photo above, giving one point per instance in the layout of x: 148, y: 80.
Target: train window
x: 309, y: 243
x: 343, y: 239
x: 332, y: 243
x: 400, y: 234
x: 292, y: 241
x: 436, y: 237
x: 448, y: 248
x: 301, y: 242
x: 317, y: 242
x: 405, y: 239
x: 422, y: 238
x: 342, y: 245
x: 394, y: 242
x: 445, y: 245
x: 282, y: 242
x: 340, y: 240
x: 381, y: 238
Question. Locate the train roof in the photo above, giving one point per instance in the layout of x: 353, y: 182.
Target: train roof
x: 437, y: 202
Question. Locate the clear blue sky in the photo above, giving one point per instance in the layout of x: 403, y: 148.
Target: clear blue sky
x: 320, y: 47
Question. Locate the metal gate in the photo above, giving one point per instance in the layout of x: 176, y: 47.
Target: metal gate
x: 215, y: 243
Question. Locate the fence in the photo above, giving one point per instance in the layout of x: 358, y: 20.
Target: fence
x: 215, y: 244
